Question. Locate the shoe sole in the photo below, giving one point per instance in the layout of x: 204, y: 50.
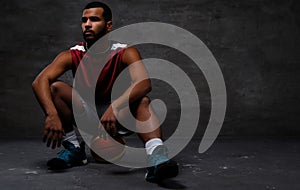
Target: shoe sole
x: 167, y: 170
x: 61, y: 165
x: 164, y: 171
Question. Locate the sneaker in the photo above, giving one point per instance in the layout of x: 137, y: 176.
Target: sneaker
x: 68, y: 157
x: 161, y: 167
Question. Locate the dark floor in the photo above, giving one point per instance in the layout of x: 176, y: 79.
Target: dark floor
x: 229, y: 164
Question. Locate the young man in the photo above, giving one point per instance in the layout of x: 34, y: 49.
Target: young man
x: 55, y: 98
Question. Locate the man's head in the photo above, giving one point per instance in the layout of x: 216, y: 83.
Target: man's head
x: 96, y: 21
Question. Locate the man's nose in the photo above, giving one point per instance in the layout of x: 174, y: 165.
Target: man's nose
x: 88, y: 24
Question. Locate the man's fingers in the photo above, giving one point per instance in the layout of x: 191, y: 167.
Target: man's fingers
x: 54, y: 144
x: 46, y: 132
x: 45, y: 138
x: 54, y: 139
x: 60, y: 134
x: 113, y: 129
x: 63, y: 132
x: 106, y: 129
x: 109, y: 126
x: 49, y: 138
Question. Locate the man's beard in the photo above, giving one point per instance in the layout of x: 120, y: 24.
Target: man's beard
x: 91, y: 41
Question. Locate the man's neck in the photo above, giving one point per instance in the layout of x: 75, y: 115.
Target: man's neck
x: 99, y: 46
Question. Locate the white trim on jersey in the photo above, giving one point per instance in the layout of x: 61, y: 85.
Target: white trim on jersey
x: 118, y: 45
x: 113, y: 47
x: 78, y: 47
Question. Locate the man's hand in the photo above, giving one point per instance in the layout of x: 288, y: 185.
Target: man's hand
x: 53, y: 131
x: 108, y: 120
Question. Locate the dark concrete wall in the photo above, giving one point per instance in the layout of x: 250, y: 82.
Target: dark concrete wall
x: 255, y: 43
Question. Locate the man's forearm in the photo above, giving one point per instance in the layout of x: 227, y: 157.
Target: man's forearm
x: 41, y: 89
x: 132, y: 94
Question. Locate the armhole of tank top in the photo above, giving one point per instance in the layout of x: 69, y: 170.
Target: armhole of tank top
x: 73, y: 65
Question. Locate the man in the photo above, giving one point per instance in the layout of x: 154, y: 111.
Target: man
x: 55, y: 98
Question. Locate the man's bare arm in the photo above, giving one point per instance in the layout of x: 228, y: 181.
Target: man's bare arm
x: 41, y: 87
x: 41, y: 84
x: 140, y: 87
x: 141, y: 84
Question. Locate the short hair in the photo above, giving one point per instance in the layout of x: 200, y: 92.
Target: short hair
x: 107, y: 14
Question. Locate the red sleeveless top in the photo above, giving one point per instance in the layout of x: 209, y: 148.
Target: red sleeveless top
x: 89, y: 69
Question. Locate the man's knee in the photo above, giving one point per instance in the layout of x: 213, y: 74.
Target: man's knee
x: 140, y: 105
x: 56, y: 88
x: 145, y: 101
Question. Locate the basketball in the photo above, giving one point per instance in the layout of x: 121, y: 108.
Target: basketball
x: 109, y: 147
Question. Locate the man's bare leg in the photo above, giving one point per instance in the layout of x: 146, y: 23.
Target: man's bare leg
x: 74, y: 154
x: 142, y: 111
x: 160, y: 165
x: 62, y: 99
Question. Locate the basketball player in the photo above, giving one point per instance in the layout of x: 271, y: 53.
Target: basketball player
x: 55, y: 98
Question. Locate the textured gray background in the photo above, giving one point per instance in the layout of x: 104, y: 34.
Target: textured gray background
x: 255, y: 43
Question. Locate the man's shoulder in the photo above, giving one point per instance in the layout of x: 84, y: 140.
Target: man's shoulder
x: 118, y: 45
x: 114, y: 46
x: 80, y: 46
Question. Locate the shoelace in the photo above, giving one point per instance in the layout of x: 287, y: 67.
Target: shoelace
x: 159, y: 157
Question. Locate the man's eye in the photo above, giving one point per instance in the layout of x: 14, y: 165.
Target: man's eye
x: 95, y: 19
x: 83, y: 19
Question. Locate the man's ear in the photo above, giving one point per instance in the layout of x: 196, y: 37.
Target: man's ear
x: 109, y: 26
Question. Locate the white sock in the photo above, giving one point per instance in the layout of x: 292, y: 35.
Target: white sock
x: 72, y: 138
x: 152, y: 144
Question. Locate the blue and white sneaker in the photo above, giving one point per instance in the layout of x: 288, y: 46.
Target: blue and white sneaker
x: 68, y: 157
x: 161, y: 167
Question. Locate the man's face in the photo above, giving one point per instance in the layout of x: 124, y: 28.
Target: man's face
x: 93, y: 24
